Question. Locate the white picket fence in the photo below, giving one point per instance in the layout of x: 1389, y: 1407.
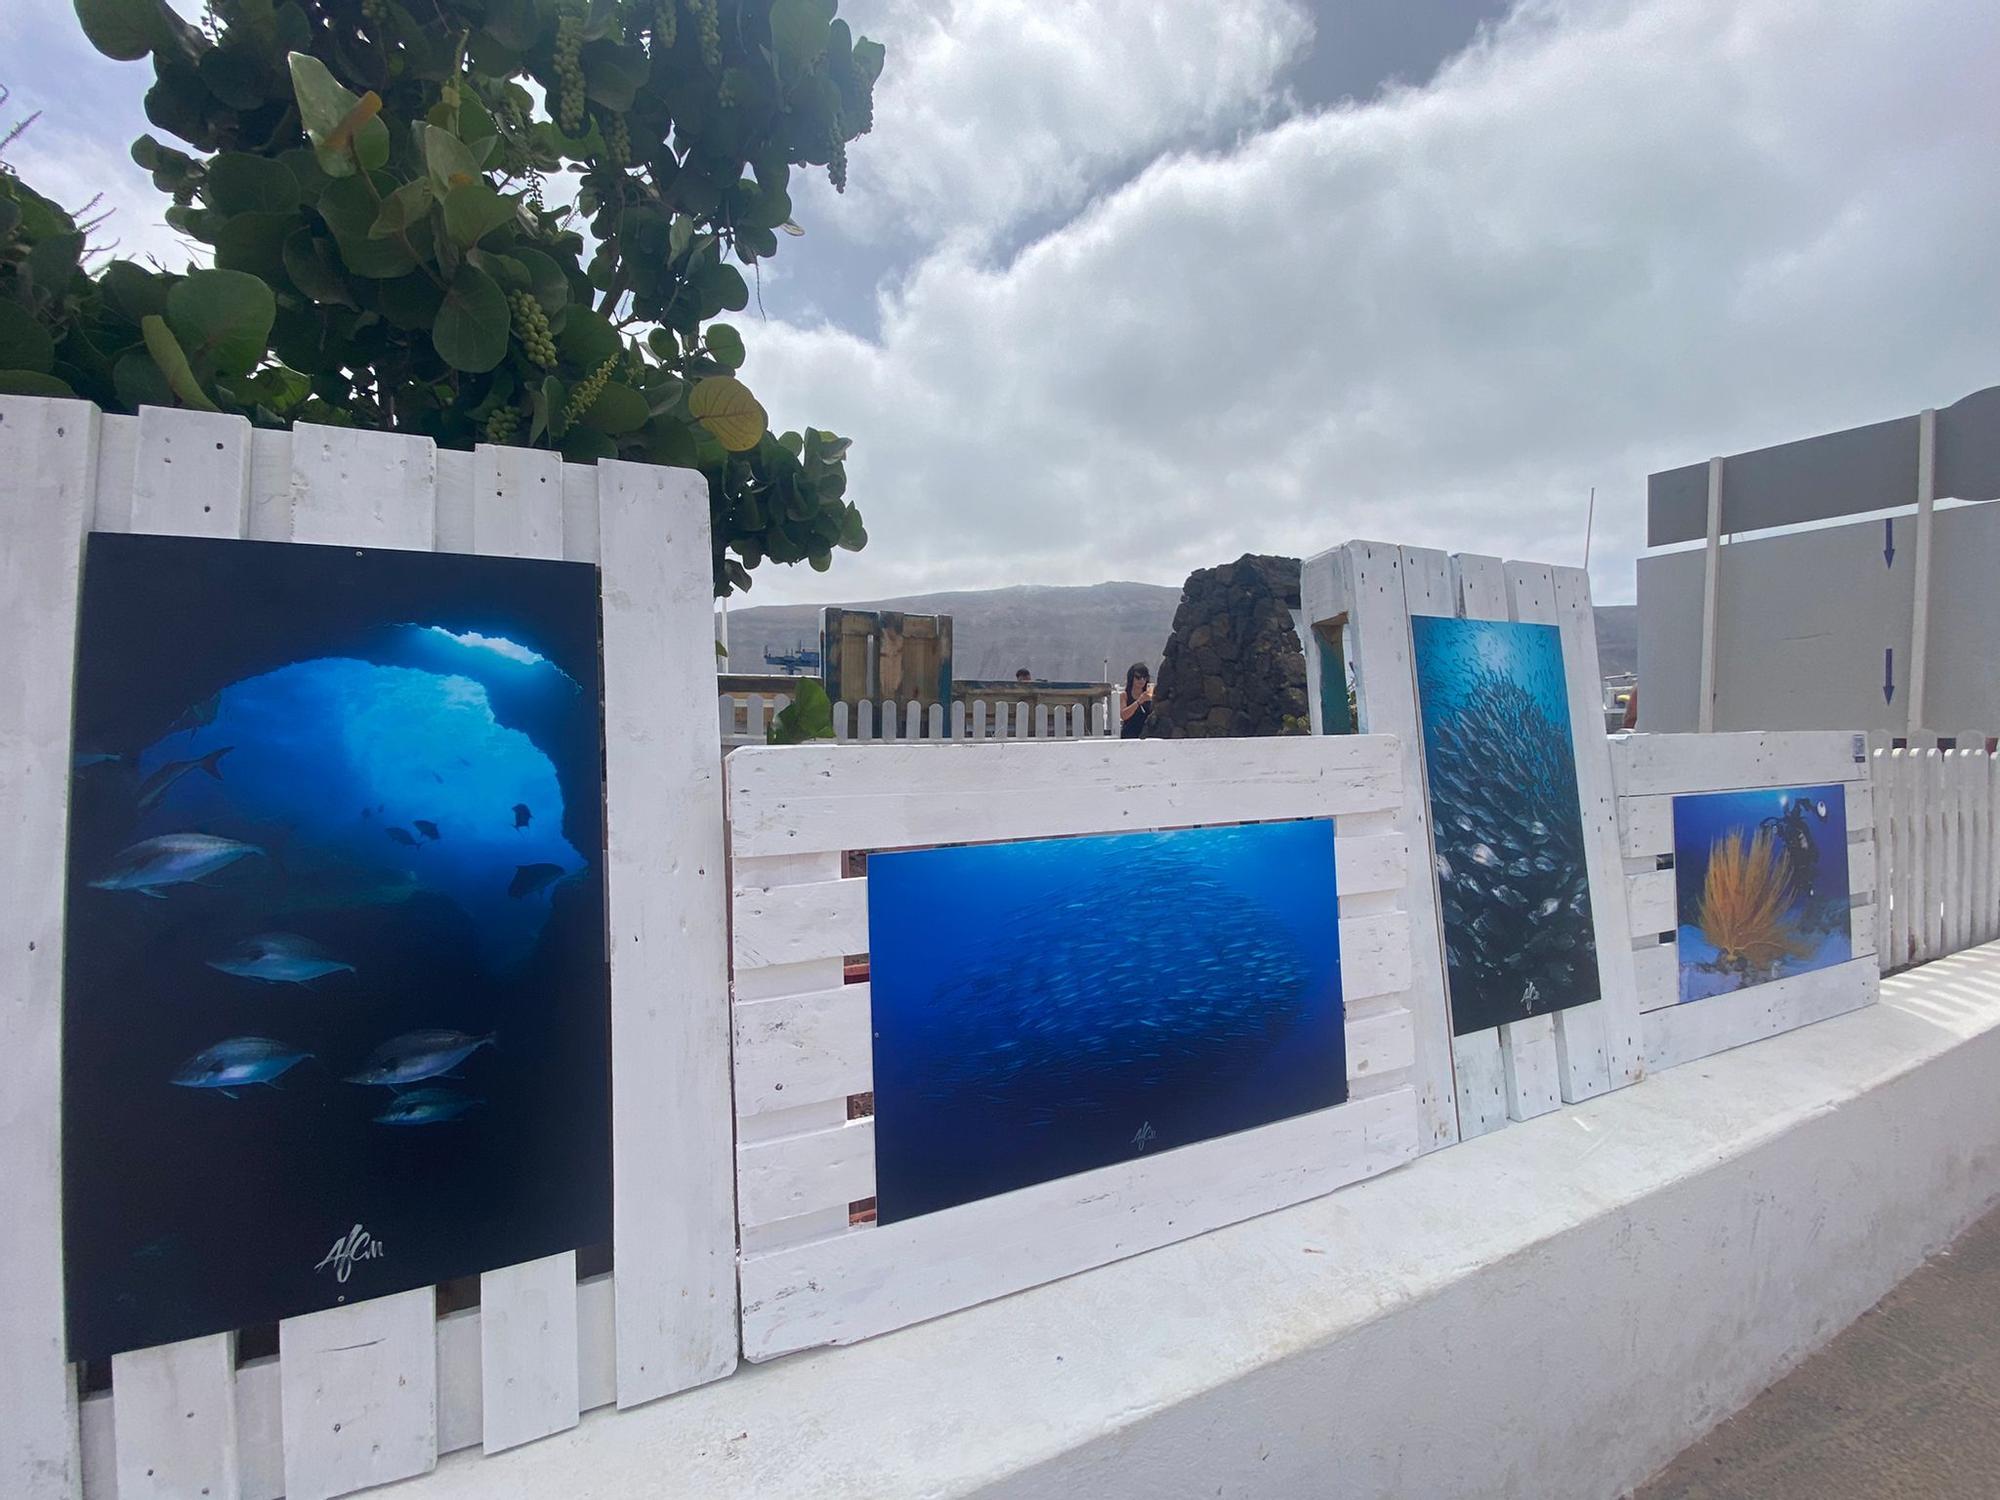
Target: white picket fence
x: 1939, y: 848
x: 746, y: 719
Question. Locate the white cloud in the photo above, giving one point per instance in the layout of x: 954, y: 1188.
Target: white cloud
x: 993, y: 111
x: 1608, y: 238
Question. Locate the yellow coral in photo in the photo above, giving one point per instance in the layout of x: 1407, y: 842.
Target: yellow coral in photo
x: 1744, y: 903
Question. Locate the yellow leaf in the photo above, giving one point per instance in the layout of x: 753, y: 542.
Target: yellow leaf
x: 726, y: 408
x: 368, y: 108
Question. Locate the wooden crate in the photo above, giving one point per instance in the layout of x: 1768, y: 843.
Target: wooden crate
x: 813, y: 1272
x: 364, y: 1394
x: 1649, y: 771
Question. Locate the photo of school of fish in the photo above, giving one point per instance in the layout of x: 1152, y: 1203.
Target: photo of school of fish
x: 1506, y: 823
x: 334, y: 930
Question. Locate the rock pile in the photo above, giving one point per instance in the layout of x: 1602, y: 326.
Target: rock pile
x: 1233, y: 666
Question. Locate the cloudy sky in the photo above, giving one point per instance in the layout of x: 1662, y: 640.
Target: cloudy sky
x: 1122, y: 288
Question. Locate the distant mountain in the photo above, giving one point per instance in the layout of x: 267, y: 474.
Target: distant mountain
x: 1064, y: 634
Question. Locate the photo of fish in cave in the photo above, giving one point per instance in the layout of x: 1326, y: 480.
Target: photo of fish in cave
x: 1506, y: 822
x: 334, y: 967
x: 1760, y: 885
x: 1048, y: 1006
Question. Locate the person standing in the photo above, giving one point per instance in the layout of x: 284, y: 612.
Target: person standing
x: 1138, y: 709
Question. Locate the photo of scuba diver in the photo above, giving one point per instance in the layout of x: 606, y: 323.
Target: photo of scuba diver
x: 1761, y: 886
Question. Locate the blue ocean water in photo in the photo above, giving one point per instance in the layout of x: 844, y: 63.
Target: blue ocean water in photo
x: 1808, y: 831
x: 335, y: 950
x: 1049, y: 1006
x: 1506, y: 823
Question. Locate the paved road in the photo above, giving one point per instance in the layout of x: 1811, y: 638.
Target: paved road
x: 1906, y: 1403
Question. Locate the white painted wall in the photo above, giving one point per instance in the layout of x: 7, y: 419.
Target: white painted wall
x: 1655, y: 1257
x: 1803, y: 620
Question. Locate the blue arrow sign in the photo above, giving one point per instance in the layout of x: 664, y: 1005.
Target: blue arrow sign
x: 1889, y: 675
x: 1889, y: 542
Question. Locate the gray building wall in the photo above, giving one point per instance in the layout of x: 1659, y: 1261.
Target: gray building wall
x: 1802, y: 622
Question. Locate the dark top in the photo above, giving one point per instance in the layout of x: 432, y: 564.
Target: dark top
x: 1135, y: 726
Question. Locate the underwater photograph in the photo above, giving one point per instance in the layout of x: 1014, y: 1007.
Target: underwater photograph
x: 1506, y: 824
x: 336, y: 1017
x: 1760, y: 886
x: 1054, y: 1005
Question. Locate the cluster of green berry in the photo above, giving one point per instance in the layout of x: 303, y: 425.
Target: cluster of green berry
x: 836, y: 169
x: 666, y: 26
x: 708, y: 27
x: 585, y: 393
x: 502, y: 423
x: 617, y: 142
x: 726, y: 94
x: 569, y: 71
x: 531, y: 327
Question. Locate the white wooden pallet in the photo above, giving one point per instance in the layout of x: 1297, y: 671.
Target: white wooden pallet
x: 804, y: 1044
x: 365, y: 1394
x: 1364, y: 593
x: 1649, y: 771
x: 1938, y: 851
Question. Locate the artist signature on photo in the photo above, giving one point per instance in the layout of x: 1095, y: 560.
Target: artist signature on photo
x: 356, y: 1244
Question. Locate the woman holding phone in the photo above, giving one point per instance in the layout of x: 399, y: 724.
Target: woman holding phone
x: 1138, y: 701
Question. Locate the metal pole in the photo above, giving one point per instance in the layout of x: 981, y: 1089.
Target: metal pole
x: 1711, y: 561
x: 1920, y: 610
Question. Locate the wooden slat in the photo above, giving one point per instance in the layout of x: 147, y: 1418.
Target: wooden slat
x: 360, y: 489
x: 1651, y: 901
x: 1528, y: 1063
x: 260, y: 1429
x: 1681, y: 1033
x: 48, y: 450
x: 176, y: 1404
x: 513, y: 507
x: 110, y: 507
x: 792, y: 1175
x: 1658, y: 967
x: 1613, y: 1022
x: 795, y: 923
x: 527, y: 1351
x: 358, y: 1386
x: 799, y: 1048
x: 454, y: 502
x: 270, y: 514
x: 175, y: 1432
x: 460, y: 1380
x: 355, y: 489
x: 1656, y: 763
x: 1379, y: 1044
x: 673, y: 1173
x: 191, y: 473
x: 1375, y: 586
x: 1375, y: 956
x: 1482, y: 1082
x: 835, y: 1290
x: 902, y: 796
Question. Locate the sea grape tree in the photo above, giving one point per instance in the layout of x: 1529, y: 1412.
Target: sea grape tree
x: 378, y: 184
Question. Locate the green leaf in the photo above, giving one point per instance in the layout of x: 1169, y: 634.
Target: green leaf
x: 32, y: 383
x: 617, y: 409
x: 349, y: 209
x: 725, y: 344
x: 133, y: 290
x: 809, y: 716
x: 513, y: 23
x: 613, y: 75
x: 599, y: 19
x: 125, y: 30
x: 409, y: 302
x: 24, y: 343
x: 314, y: 268
x: 546, y: 279
x: 255, y: 243
x: 445, y: 158
x: 853, y: 535
x: 723, y: 404
x: 472, y: 210
x: 222, y: 319
x: 584, y: 445
x: 587, y: 339
x: 173, y: 364
x: 330, y: 114
x: 239, y: 183
x: 798, y: 36
x: 233, y: 75
x: 470, y: 333
x: 402, y: 208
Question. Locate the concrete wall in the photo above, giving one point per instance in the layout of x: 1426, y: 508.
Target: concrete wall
x: 1803, y: 620
x: 1549, y: 1313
